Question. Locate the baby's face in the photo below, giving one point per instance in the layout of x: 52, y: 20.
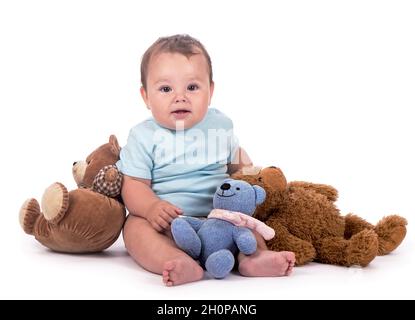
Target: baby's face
x: 178, y: 89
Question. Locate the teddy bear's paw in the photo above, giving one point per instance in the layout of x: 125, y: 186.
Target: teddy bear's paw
x: 29, y: 213
x: 306, y: 253
x: 391, y: 230
x: 220, y: 263
x: 108, y: 181
x: 55, y: 202
x: 363, y: 248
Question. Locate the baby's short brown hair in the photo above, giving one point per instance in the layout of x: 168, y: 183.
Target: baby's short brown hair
x: 179, y: 43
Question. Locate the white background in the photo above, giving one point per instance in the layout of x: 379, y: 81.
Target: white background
x: 323, y: 89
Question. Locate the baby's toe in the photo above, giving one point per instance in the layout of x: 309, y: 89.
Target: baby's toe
x: 169, y: 266
x: 289, y: 256
x: 289, y: 269
x: 166, y: 279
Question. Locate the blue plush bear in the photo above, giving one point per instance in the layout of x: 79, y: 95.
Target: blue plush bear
x: 215, y: 240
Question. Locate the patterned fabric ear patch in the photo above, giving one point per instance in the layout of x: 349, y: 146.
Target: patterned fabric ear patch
x: 109, y: 188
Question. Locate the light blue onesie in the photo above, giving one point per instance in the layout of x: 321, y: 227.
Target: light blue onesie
x: 186, y: 166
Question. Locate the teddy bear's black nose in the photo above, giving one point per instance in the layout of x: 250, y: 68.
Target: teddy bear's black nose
x: 225, y: 186
x: 74, y: 163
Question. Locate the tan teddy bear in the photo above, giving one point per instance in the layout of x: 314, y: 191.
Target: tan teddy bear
x: 87, y: 219
x: 307, y: 222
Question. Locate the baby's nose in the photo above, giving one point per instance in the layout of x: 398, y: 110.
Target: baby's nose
x: 225, y: 186
x: 180, y: 100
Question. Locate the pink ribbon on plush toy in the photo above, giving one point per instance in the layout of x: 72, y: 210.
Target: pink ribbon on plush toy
x: 242, y: 220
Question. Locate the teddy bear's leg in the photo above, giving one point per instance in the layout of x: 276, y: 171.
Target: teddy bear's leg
x: 360, y: 249
x: 220, y: 263
x: 391, y: 230
x: 186, y: 237
x: 354, y: 224
x: 324, y: 189
x: 28, y: 215
x: 285, y: 241
x: 55, y: 202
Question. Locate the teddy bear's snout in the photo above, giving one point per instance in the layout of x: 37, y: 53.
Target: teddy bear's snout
x: 225, y: 186
x: 78, y: 171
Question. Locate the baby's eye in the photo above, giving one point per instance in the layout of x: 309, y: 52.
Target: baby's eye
x: 192, y: 87
x: 165, y: 89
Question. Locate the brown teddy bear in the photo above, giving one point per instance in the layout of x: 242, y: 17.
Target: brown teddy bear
x: 87, y: 219
x: 307, y: 222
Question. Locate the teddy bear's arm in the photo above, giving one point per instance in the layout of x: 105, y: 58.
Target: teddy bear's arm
x: 324, y: 189
x: 108, y: 181
x: 195, y: 223
x: 285, y: 241
x: 244, y: 240
x: 184, y: 231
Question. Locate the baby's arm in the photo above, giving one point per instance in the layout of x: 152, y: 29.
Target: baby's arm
x: 141, y: 201
x: 241, y: 160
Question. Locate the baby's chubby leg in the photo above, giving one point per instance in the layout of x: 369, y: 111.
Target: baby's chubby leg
x: 156, y: 252
x: 266, y: 263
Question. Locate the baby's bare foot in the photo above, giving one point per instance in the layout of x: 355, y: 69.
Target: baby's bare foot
x: 266, y: 263
x: 180, y: 271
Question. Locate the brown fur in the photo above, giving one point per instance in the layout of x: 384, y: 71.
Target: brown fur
x: 84, y: 220
x: 307, y: 222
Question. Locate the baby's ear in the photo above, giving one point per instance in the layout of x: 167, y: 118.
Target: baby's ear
x: 260, y: 194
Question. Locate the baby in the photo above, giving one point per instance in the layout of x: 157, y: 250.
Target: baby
x: 174, y: 161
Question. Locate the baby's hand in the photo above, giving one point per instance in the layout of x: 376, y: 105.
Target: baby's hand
x: 161, y: 214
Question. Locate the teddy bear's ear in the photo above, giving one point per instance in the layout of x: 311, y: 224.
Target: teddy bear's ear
x: 115, y: 147
x: 260, y: 194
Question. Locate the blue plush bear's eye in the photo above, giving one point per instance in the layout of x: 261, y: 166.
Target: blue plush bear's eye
x: 238, y: 188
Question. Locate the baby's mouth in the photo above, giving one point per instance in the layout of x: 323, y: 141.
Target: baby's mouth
x: 180, y: 114
x: 181, y: 111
